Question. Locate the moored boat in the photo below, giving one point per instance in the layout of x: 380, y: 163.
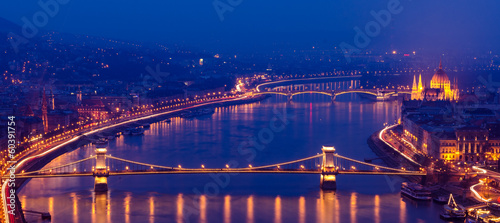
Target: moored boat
x: 101, y: 143
x: 127, y: 131
x: 199, y: 112
x: 415, y: 191
x: 452, y: 210
x: 440, y: 199
x: 137, y: 131
x: 477, y: 215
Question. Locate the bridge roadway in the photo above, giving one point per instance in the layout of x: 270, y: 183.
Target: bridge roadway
x: 382, y: 94
x: 217, y: 171
x: 328, y: 165
x: 106, y: 165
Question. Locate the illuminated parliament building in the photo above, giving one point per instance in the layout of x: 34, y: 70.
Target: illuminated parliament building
x: 440, y: 89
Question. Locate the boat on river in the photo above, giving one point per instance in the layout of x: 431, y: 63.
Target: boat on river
x: 134, y: 131
x: 440, y: 199
x: 137, y: 131
x: 415, y: 191
x: 199, y: 112
x: 453, y: 211
x: 478, y: 215
x: 127, y: 131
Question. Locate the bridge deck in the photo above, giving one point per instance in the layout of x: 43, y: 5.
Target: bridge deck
x: 218, y: 171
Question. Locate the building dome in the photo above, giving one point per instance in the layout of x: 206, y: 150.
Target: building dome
x: 440, y: 79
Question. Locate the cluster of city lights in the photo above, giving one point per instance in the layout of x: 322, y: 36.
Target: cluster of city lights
x: 39, y: 142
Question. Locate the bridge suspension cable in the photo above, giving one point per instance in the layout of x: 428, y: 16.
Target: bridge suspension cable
x: 70, y: 167
x: 138, y: 163
x: 312, y: 164
x: 345, y: 163
x: 285, y: 163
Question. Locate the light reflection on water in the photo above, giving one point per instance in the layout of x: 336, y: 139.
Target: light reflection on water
x: 250, y: 217
x: 213, y: 141
x: 180, y: 208
x: 277, y: 209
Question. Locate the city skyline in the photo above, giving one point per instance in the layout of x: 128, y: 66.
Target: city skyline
x: 249, y: 111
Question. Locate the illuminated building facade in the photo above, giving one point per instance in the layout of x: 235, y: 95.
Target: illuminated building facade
x: 437, y: 134
x: 465, y: 144
x: 93, y: 109
x: 440, y: 88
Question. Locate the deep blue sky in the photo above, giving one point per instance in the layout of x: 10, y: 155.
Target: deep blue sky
x: 259, y: 24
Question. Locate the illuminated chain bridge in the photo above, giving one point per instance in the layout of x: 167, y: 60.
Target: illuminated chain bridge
x: 328, y: 165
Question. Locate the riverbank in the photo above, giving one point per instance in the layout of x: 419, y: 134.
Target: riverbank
x: 86, y: 139
x: 395, y: 160
x: 387, y: 154
x: 390, y: 157
x: 69, y: 145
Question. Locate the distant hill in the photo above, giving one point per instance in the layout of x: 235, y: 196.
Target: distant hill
x: 7, y: 26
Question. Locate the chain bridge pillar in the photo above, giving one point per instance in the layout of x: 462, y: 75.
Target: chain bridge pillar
x: 328, y: 169
x: 334, y: 96
x: 380, y: 96
x: 289, y: 95
x: 100, y: 171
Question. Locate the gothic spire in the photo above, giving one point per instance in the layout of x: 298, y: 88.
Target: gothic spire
x: 420, y: 87
x: 414, y: 87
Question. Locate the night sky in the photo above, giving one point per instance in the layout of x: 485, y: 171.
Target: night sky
x: 264, y: 24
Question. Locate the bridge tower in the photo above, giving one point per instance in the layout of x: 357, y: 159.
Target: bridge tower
x: 334, y: 96
x: 289, y: 95
x: 101, y: 171
x: 380, y: 95
x: 328, y: 169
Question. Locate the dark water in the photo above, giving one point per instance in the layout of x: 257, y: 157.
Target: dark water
x: 313, y: 121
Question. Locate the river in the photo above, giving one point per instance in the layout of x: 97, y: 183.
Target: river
x: 312, y: 121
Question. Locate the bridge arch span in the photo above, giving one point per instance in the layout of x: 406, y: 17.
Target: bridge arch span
x: 271, y: 92
x: 399, y: 92
x: 359, y: 92
x: 312, y: 92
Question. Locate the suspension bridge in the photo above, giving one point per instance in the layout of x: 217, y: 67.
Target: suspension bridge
x: 328, y: 164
